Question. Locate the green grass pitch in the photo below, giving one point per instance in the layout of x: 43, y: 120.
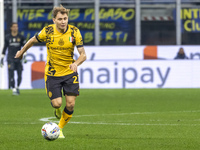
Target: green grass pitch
x: 105, y: 119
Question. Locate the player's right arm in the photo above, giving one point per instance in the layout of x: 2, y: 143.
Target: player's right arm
x: 6, y: 44
x: 40, y: 37
x: 29, y: 44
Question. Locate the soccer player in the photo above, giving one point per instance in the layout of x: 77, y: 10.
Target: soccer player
x: 13, y: 41
x: 61, y: 68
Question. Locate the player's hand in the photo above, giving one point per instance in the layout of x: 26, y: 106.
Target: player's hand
x: 2, y: 62
x: 19, y: 55
x: 73, y: 67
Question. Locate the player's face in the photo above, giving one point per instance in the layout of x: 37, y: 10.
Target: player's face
x: 61, y: 21
x: 181, y: 51
x: 14, y: 28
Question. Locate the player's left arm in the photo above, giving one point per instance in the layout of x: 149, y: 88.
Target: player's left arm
x: 82, y: 56
x: 81, y: 50
x: 80, y: 59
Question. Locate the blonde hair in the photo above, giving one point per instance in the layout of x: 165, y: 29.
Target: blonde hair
x: 60, y: 9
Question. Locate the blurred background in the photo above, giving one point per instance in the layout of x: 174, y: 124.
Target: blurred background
x: 117, y: 32
x: 114, y: 22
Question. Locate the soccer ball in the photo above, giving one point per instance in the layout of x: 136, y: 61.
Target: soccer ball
x: 50, y: 131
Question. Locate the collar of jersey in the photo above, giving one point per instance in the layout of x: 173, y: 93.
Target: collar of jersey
x: 66, y: 30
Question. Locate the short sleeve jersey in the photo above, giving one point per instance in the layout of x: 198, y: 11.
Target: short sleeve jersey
x: 60, y: 48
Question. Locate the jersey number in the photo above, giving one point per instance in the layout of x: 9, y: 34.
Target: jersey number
x: 75, y: 79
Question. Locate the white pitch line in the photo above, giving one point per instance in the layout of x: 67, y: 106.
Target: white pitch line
x: 19, y: 123
x: 48, y: 119
x: 104, y: 123
x: 133, y: 124
x: 127, y: 124
x: 137, y: 113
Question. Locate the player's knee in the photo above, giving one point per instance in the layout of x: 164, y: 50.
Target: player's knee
x: 70, y: 106
x: 56, y: 103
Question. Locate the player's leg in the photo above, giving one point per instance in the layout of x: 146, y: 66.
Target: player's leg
x: 19, y: 69
x: 11, y: 76
x: 53, y: 89
x: 57, y: 103
x: 67, y: 112
x: 71, y: 90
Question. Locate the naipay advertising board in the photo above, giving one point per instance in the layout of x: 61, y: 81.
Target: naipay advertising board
x: 121, y: 67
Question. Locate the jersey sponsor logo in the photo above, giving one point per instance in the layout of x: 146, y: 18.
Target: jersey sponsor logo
x: 58, y: 48
x: 14, y: 44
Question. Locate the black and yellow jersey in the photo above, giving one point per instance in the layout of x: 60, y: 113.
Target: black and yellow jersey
x: 60, y: 48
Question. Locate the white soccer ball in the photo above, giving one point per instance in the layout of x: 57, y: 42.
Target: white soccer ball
x: 50, y: 131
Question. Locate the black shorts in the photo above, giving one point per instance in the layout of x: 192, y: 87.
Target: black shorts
x: 15, y: 65
x: 68, y: 83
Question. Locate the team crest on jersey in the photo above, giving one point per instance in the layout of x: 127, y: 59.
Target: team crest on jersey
x: 61, y: 42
